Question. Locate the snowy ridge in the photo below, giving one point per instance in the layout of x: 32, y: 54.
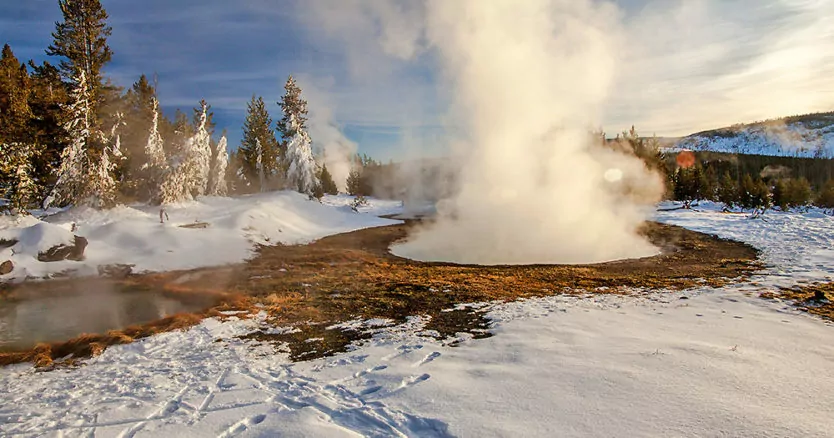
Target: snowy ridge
x: 804, y: 136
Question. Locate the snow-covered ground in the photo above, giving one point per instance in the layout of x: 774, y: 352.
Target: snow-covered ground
x: 720, y: 362
x: 134, y: 235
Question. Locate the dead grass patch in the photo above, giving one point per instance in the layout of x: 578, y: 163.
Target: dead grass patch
x: 816, y: 299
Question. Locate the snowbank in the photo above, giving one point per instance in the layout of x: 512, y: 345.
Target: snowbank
x: 134, y: 235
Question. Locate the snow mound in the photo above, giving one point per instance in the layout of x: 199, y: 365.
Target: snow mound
x: 40, y: 237
x: 134, y: 235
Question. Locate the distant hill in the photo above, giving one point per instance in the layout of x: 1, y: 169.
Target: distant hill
x: 810, y: 136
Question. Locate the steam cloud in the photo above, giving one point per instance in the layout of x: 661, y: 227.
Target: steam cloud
x: 526, y: 82
x: 529, y: 79
x: 336, y: 148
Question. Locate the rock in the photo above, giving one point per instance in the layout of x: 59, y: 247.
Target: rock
x: 117, y: 271
x: 195, y: 225
x: 65, y: 252
x: 7, y: 243
x: 6, y: 267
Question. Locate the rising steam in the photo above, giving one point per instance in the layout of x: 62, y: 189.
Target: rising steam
x: 528, y: 80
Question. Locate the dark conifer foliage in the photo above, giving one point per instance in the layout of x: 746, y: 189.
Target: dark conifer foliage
x: 82, y: 40
x: 259, y: 155
x: 292, y: 103
x: 328, y: 186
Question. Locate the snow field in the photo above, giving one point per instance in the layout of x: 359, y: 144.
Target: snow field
x: 702, y: 362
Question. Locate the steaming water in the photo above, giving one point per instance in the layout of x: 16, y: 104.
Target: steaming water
x: 89, y: 308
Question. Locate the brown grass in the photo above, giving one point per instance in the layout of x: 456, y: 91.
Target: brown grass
x: 816, y: 299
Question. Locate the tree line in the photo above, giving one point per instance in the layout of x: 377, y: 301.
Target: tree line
x: 748, y: 182
x: 69, y: 136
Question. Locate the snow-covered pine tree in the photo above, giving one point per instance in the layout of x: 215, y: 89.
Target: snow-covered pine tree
x: 196, y: 165
x: 175, y: 183
x: 18, y: 186
x: 155, y: 165
x: 72, y: 185
x: 301, y: 167
x: 221, y: 162
x: 102, y: 184
x: 103, y: 187
x: 203, y: 153
x: 302, y: 173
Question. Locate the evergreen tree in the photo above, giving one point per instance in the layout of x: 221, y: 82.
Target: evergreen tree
x: 754, y: 194
x: 294, y: 109
x: 299, y: 162
x: 354, y: 181
x: 48, y: 99
x: 203, y: 116
x: 155, y: 166
x: 761, y: 195
x: 825, y: 198
x: 15, y: 112
x: 16, y: 179
x: 197, y: 157
x: 103, y: 185
x: 259, y: 148
x: 176, y: 183
x: 82, y: 40
x: 328, y: 186
x: 141, y: 112
x: 301, y: 168
x: 72, y: 184
x: 780, y: 194
x: 791, y: 193
x: 221, y: 162
x: 727, y: 191
x: 747, y: 193
x: 800, y: 192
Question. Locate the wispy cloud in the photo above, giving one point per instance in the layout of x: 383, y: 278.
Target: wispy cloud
x: 685, y: 65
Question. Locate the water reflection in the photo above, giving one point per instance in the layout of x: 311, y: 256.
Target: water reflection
x: 88, y: 307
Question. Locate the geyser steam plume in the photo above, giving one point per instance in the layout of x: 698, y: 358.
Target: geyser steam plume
x: 529, y: 79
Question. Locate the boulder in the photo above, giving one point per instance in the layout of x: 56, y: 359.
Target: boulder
x: 6, y: 267
x: 65, y: 252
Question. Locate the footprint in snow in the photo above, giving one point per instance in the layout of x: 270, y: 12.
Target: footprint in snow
x: 242, y: 425
x: 430, y: 357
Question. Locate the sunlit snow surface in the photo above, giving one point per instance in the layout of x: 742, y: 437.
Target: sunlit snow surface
x: 721, y: 362
x: 134, y: 235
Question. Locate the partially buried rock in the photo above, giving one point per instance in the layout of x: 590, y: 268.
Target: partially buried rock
x: 6, y: 267
x: 65, y: 252
x: 115, y: 271
x: 196, y: 225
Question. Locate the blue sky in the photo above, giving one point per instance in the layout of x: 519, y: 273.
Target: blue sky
x: 692, y: 64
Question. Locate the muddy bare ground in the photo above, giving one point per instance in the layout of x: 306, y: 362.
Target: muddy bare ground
x: 352, y: 276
